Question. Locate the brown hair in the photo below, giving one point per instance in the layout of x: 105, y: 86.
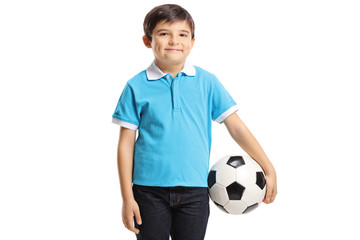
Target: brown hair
x: 169, y: 13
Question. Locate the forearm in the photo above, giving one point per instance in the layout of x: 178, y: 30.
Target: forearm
x: 125, y: 162
x: 244, y: 138
x: 253, y: 148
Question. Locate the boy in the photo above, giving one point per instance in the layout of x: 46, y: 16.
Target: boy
x: 163, y: 173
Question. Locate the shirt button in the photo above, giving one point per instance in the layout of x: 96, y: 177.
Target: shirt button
x: 167, y: 77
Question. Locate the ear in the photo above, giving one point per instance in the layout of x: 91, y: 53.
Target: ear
x: 192, y: 42
x: 146, y: 41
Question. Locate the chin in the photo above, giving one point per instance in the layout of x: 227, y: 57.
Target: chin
x: 177, y: 61
x: 172, y: 59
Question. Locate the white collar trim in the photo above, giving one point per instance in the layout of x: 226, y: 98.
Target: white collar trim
x: 153, y: 72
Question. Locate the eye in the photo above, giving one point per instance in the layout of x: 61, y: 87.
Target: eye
x: 163, y: 34
x: 183, y: 35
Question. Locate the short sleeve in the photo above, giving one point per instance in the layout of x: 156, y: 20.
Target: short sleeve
x: 126, y: 113
x: 223, y: 105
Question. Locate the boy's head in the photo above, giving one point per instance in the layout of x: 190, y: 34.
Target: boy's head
x: 169, y: 13
x: 169, y: 32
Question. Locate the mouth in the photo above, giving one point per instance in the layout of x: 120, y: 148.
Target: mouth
x: 173, y: 49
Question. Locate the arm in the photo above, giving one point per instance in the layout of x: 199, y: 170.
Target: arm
x: 125, y: 158
x: 243, y: 137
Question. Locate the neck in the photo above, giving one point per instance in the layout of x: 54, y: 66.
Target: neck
x: 173, y: 69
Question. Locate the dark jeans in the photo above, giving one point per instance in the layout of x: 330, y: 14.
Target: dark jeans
x: 181, y: 212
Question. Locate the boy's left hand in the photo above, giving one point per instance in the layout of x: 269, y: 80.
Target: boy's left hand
x: 271, y: 189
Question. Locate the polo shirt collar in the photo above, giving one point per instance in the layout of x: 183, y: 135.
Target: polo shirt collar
x: 153, y: 72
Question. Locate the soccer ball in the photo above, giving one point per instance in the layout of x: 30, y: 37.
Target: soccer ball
x: 237, y: 184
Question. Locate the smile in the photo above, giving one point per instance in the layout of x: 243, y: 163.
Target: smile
x: 173, y: 49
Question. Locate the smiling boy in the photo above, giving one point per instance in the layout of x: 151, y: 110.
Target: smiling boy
x: 171, y: 43
x: 163, y: 173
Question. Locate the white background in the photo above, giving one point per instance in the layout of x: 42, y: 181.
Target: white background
x: 292, y: 67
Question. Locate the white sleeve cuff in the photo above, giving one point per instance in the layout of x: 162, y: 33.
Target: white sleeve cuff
x: 227, y: 113
x: 125, y: 124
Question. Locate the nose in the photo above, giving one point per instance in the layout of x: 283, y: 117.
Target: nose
x: 173, y: 40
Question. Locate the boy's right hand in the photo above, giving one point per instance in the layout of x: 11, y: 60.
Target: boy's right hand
x: 130, y: 209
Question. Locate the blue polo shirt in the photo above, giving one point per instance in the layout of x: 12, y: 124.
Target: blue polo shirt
x: 173, y: 117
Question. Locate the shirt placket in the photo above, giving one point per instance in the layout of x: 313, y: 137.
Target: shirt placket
x: 175, y: 93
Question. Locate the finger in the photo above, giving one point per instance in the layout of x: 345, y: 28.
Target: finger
x: 268, y: 195
x: 138, y: 216
x: 133, y: 229
x: 130, y: 226
x: 273, y: 195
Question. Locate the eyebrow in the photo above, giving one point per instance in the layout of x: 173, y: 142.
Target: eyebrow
x: 163, y: 29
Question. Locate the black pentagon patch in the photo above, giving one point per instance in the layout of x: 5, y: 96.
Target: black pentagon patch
x: 260, y: 180
x: 236, y: 161
x: 235, y: 191
x: 250, y: 208
x: 211, y: 178
x: 221, y: 207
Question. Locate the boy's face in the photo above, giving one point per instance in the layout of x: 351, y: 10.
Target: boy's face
x: 171, y: 42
